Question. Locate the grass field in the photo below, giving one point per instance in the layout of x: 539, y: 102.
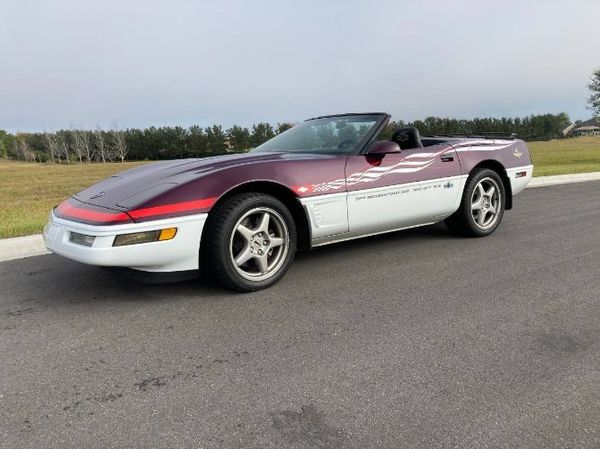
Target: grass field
x: 30, y: 191
x: 558, y: 157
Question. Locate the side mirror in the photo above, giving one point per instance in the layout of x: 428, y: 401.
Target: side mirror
x: 384, y: 147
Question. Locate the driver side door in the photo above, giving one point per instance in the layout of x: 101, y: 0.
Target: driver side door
x: 401, y: 190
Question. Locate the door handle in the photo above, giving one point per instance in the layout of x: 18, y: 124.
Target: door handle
x: 447, y: 157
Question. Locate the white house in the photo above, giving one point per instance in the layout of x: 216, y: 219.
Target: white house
x: 588, y: 128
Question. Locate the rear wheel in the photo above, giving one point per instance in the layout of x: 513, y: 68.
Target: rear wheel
x: 482, y: 205
x: 251, y: 242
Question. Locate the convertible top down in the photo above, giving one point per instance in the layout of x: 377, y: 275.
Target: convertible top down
x: 243, y: 216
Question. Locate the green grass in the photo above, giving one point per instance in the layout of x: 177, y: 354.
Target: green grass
x: 566, y: 156
x: 30, y: 191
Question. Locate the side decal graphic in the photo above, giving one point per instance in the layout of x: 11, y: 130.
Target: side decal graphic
x: 417, y: 162
x: 474, y: 146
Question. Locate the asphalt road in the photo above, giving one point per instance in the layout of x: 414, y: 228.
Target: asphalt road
x: 413, y: 339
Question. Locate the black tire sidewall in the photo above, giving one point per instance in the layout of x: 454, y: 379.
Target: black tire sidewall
x: 467, y: 216
x: 223, y: 265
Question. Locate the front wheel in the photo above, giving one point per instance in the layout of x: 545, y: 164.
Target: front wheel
x: 482, y: 205
x: 251, y: 242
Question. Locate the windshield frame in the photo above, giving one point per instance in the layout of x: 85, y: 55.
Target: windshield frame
x: 382, y: 119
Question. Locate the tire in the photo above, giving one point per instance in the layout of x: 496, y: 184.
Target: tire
x: 481, y: 208
x: 250, y: 242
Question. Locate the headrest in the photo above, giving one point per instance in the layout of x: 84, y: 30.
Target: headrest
x: 407, y: 138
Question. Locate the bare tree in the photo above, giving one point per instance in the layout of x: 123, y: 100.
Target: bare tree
x: 77, y: 143
x: 23, y: 149
x: 19, y: 147
x: 101, y: 144
x: 52, y: 145
x: 119, y: 143
x: 63, y: 145
x: 86, y: 145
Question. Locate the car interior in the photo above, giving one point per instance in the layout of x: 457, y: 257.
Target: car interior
x: 407, y: 138
x: 410, y: 138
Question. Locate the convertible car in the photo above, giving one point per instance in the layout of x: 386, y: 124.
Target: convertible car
x: 243, y: 216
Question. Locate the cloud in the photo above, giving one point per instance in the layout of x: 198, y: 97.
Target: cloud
x: 150, y: 62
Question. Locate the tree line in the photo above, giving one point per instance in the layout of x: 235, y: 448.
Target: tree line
x: 154, y: 143
x: 171, y: 142
x: 533, y: 127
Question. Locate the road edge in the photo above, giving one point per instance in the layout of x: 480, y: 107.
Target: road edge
x: 33, y: 245
x: 544, y: 181
x: 21, y: 247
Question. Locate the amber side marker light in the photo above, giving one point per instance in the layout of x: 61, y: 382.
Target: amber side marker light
x: 145, y: 237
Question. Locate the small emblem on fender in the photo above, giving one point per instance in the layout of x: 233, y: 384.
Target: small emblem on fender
x: 517, y: 153
x: 448, y: 185
x: 97, y: 195
x: 303, y: 189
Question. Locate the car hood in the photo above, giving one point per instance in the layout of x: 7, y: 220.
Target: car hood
x: 134, y: 187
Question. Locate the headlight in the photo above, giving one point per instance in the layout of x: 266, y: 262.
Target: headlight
x: 145, y: 237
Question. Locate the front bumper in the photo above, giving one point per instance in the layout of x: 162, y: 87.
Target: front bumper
x: 178, y: 254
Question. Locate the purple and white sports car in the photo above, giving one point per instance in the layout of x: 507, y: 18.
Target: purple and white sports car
x: 328, y: 179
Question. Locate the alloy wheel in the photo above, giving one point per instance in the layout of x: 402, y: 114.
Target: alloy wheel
x: 486, y: 203
x: 259, y: 244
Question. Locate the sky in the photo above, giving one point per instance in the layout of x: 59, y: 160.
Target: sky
x: 139, y: 63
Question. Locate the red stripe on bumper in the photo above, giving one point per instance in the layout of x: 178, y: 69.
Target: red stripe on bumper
x: 175, y: 208
x: 67, y: 210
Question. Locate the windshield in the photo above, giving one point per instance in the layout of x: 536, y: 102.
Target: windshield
x: 329, y: 135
